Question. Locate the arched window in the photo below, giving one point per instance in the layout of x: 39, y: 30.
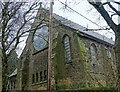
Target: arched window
x: 14, y: 84
x: 93, y: 52
x: 40, y: 76
x: 33, y: 78
x: 109, y: 53
x: 67, y: 48
x: 45, y: 75
x: 40, y: 38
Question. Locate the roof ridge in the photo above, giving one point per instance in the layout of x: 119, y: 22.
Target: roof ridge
x: 82, y: 29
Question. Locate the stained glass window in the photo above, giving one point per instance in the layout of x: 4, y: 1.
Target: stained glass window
x: 40, y: 38
x: 67, y: 49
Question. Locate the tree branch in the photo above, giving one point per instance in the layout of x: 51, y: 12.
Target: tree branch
x: 104, y: 14
x: 113, y: 8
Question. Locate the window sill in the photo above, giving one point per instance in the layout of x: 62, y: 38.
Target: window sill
x: 35, y: 52
x: 39, y: 83
x: 68, y: 62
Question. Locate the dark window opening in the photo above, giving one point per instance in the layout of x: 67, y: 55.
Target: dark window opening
x: 45, y: 75
x: 14, y: 84
x: 41, y: 76
x: 33, y: 78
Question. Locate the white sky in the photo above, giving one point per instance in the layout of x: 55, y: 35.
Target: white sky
x: 82, y: 6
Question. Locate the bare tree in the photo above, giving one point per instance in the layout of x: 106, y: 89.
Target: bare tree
x: 100, y: 7
x: 15, y: 21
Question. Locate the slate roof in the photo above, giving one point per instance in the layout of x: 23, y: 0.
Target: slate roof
x: 90, y: 34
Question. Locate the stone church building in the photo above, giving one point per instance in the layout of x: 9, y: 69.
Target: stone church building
x: 80, y: 58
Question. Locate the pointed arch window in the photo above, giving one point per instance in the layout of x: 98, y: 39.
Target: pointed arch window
x: 33, y: 78
x: 41, y: 76
x: 45, y: 75
x: 93, y: 52
x: 40, y: 38
x: 67, y: 49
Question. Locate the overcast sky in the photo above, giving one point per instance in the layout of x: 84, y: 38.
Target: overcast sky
x: 84, y: 8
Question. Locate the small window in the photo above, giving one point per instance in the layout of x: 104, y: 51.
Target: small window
x: 109, y: 52
x: 36, y: 77
x: 93, y: 52
x: 41, y: 76
x: 45, y: 75
x: 14, y: 84
x: 110, y: 55
x: 33, y: 78
x: 93, y: 55
x: 67, y: 49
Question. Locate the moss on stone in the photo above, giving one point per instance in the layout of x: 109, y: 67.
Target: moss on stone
x: 82, y: 50
x: 58, y: 62
x: 64, y: 83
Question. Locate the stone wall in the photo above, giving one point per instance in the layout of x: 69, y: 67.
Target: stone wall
x: 80, y: 72
x: 12, y: 62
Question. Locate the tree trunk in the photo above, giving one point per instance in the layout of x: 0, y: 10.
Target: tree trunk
x: 117, y: 57
x: 4, y: 74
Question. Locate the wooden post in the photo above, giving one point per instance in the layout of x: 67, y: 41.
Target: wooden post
x: 50, y: 47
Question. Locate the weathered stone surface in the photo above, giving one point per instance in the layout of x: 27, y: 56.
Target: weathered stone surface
x: 12, y: 62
